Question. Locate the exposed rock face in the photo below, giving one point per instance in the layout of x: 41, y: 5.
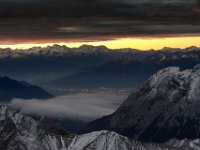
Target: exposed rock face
x: 106, y: 140
x: 166, y: 106
x: 19, y: 132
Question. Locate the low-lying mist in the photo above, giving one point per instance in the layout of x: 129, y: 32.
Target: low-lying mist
x: 78, y: 107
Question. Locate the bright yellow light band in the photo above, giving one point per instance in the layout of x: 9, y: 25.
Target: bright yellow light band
x: 137, y: 43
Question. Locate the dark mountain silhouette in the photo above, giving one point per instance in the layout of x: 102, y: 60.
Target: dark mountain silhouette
x: 10, y: 89
x: 114, y: 74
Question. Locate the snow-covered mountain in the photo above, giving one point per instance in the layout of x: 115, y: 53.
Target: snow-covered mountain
x: 185, y: 144
x: 58, y: 50
x: 166, y: 106
x: 20, y: 132
x: 106, y: 140
x: 38, y: 65
x: 174, y: 54
x: 126, y: 72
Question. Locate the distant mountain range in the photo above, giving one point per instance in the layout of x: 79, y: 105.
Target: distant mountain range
x: 38, y: 65
x: 130, y: 73
x: 20, y: 132
x: 63, y: 51
x: 165, y: 107
x: 90, y: 66
x: 10, y: 89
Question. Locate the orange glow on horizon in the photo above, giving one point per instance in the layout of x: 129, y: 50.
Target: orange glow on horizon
x: 136, y: 43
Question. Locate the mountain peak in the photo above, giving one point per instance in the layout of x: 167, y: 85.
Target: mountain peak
x: 192, y: 48
x: 93, y: 49
x: 166, y: 106
x: 169, y: 49
x: 19, y: 132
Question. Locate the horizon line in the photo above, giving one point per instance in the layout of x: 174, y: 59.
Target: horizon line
x: 143, y: 44
x: 64, y: 45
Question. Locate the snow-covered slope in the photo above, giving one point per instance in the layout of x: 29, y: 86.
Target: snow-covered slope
x: 166, y: 106
x: 58, y: 50
x: 185, y: 144
x: 175, y: 54
x: 106, y: 140
x: 19, y: 132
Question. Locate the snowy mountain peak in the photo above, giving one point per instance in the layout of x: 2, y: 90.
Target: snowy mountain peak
x: 172, y: 80
x: 19, y: 132
x: 106, y: 140
x: 187, y: 49
x: 100, y: 141
x: 166, y: 106
x: 169, y: 49
x: 192, y: 48
x: 8, y: 112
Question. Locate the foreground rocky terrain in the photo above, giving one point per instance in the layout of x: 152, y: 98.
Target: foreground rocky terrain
x: 20, y: 132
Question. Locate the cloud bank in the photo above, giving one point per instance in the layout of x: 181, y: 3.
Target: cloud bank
x: 88, y: 20
x: 77, y: 107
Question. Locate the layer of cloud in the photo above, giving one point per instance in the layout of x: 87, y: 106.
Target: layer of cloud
x: 78, y: 107
x: 86, y: 20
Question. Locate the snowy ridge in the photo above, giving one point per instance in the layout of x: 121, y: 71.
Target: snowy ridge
x: 100, y: 140
x: 168, y: 101
x: 185, y: 144
x: 165, y: 107
x: 187, y: 80
x: 106, y: 140
x: 174, y: 54
x: 57, y: 50
x: 19, y: 132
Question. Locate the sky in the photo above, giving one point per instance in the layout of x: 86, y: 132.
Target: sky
x: 141, y: 24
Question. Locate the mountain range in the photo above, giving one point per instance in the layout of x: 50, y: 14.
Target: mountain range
x: 38, y: 65
x: 91, y: 67
x: 20, y: 132
x: 130, y: 73
x: 164, y: 107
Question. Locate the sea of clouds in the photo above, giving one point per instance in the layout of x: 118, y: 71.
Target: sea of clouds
x: 83, y: 107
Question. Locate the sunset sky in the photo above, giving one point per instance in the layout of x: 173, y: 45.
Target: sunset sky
x: 140, y: 24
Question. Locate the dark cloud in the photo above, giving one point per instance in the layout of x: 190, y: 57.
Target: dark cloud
x: 54, y: 20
